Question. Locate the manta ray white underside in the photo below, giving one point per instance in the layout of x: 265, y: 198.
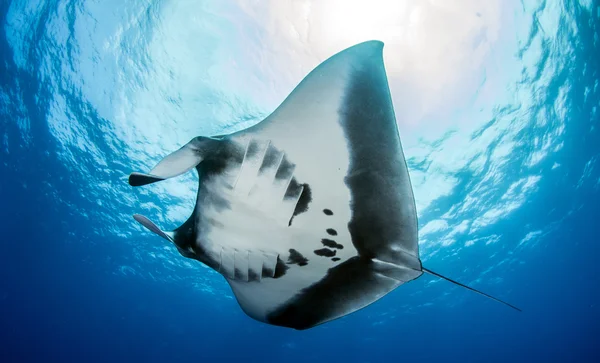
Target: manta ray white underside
x: 310, y: 214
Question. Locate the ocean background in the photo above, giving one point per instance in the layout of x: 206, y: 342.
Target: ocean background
x: 497, y: 106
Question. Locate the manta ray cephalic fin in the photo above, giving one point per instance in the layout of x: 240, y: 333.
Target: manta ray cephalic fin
x: 144, y: 221
x: 176, y: 163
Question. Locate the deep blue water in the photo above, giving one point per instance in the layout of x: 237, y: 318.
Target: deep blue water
x: 81, y: 282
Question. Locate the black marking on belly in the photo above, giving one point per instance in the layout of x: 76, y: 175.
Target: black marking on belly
x: 285, y: 171
x: 219, y: 202
x: 213, y: 166
x: 331, y: 232
x: 325, y: 252
x: 296, y: 258
x: 327, y: 212
x: 270, y: 160
x: 331, y: 243
x: 237, y: 274
x: 344, y: 286
x: 266, y: 272
x: 222, y: 153
x: 280, y: 268
x: 335, y: 259
x: 293, y: 190
x: 214, y: 222
x: 303, y: 201
x: 253, y: 149
x: 253, y: 276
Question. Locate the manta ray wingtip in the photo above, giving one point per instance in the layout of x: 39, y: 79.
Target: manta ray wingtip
x: 375, y: 46
x: 379, y: 43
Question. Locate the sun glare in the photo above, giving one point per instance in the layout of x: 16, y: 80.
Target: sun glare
x: 349, y: 22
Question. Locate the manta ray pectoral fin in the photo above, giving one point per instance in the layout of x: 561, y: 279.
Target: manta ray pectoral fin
x: 176, y: 163
x: 152, y: 227
x: 470, y: 288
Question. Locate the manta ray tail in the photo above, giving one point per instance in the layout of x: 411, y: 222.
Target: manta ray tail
x: 469, y: 288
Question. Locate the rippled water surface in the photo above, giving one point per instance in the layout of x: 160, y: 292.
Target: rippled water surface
x: 497, y: 106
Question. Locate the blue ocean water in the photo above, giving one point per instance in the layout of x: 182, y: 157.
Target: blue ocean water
x: 508, y: 202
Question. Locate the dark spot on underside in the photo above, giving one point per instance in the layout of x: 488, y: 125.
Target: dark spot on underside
x: 285, y: 170
x: 331, y: 232
x: 303, y: 201
x: 237, y: 273
x: 266, y: 272
x: 270, y: 159
x: 253, y: 149
x: 222, y: 154
x: 253, y: 276
x: 325, y: 252
x: 328, y: 212
x: 280, y: 268
x: 331, y: 243
x: 335, y: 259
x: 296, y: 258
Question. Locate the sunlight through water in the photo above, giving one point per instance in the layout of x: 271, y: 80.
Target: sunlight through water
x: 480, y: 90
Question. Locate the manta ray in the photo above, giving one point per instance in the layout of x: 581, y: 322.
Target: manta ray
x: 309, y: 214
